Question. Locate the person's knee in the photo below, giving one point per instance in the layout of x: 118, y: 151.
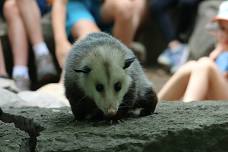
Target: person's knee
x: 188, y: 67
x: 205, y: 61
x: 84, y: 27
x: 206, y: 64
x: 191, y: 64
x: 24, y: 2
x: 10, y: 10
x: 123, y: 11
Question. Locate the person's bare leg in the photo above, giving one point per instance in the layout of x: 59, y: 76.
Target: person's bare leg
x: 84, y: 27
x: 18, y: 40
x: 2, y: 62
x: 17, y: 33
x: 206, y: 82
x: 126, y: 15
x: 32, y: 19
x: 218, y: 86
x: 175, y: 88
x: 31, y: 16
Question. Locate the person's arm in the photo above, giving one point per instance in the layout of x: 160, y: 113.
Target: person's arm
x: 58, y: 23
x: 214, y: 54
x: 58, y: 20
x: 226, y: 75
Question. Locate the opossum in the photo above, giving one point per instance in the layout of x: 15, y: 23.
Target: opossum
x: 104, y: 79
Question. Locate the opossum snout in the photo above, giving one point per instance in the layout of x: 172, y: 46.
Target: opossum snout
x: 111, y: 112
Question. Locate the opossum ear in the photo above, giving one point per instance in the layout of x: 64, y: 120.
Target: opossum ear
x: 128, y: 62
x: 85, y: 70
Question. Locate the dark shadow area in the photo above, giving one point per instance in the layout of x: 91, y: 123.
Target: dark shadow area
x: 27, y: 125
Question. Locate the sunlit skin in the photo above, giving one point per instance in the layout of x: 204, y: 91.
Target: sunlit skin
x: 202, y: 79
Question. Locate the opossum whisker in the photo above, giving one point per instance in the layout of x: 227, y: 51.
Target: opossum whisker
x: 130, y: 88
x: 126, y: 106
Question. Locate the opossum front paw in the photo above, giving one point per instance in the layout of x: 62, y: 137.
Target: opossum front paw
x: 111, y: 122
x: 145, y: 112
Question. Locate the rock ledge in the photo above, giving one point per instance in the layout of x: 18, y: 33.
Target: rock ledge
x: 176, y: 126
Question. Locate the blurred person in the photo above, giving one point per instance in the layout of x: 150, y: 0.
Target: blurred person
x: 5, y: 81
x: 23, y: 19
x: 19, y: 45
x: 201, y: 42
x: 177, y: 52
x: 74, y: 19
x: 207, y: 78
x: 32, y: 22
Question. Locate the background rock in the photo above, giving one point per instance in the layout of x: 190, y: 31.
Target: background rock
x: 8, y: 98
x: 39, y: 98
x: 201, y: 42
x: 10, y: 138
x: 176, y: 126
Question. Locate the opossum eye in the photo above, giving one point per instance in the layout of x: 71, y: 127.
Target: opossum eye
x: 85, y: 70
x: 99, y: 87
x: 117, y: 86
x: 128, y: 62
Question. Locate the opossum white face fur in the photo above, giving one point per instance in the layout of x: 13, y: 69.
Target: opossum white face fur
x: 104, y: 78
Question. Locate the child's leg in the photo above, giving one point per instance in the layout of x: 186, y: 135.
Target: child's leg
x: 218, y: 87
x: 175, y: 88
x: 126, y: 16
x: 206, y: 82
x: 80, y: 21
x: 17, y: 33
x: 18, y: 40
x: 83, y: 28
x: 32, y: 19
x: 31, y: 16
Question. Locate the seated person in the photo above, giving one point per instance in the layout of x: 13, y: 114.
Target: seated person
x: 81, y: 17
x: 176, y: 53
x: 23, y: 20
x: 207, y: 78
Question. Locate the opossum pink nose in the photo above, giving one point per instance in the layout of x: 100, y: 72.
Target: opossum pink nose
x: 111, y: 112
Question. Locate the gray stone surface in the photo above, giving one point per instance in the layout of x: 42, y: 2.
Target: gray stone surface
x: 176, y: 126
x: 202, y: 42
x: 10, y: 138
x: 8, y: 98
x: 39, y: 98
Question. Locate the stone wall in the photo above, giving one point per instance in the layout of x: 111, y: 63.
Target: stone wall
x: 176, y: 126
x: 201, y: 42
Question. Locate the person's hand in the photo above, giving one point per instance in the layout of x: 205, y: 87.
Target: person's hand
x: 62, y: 51
x: 218, y: 49
x: 214, y: 54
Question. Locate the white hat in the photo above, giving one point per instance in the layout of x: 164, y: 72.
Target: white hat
x: 223, y: 12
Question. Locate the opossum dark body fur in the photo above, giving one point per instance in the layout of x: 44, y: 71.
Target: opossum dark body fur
x: 103, y: 79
